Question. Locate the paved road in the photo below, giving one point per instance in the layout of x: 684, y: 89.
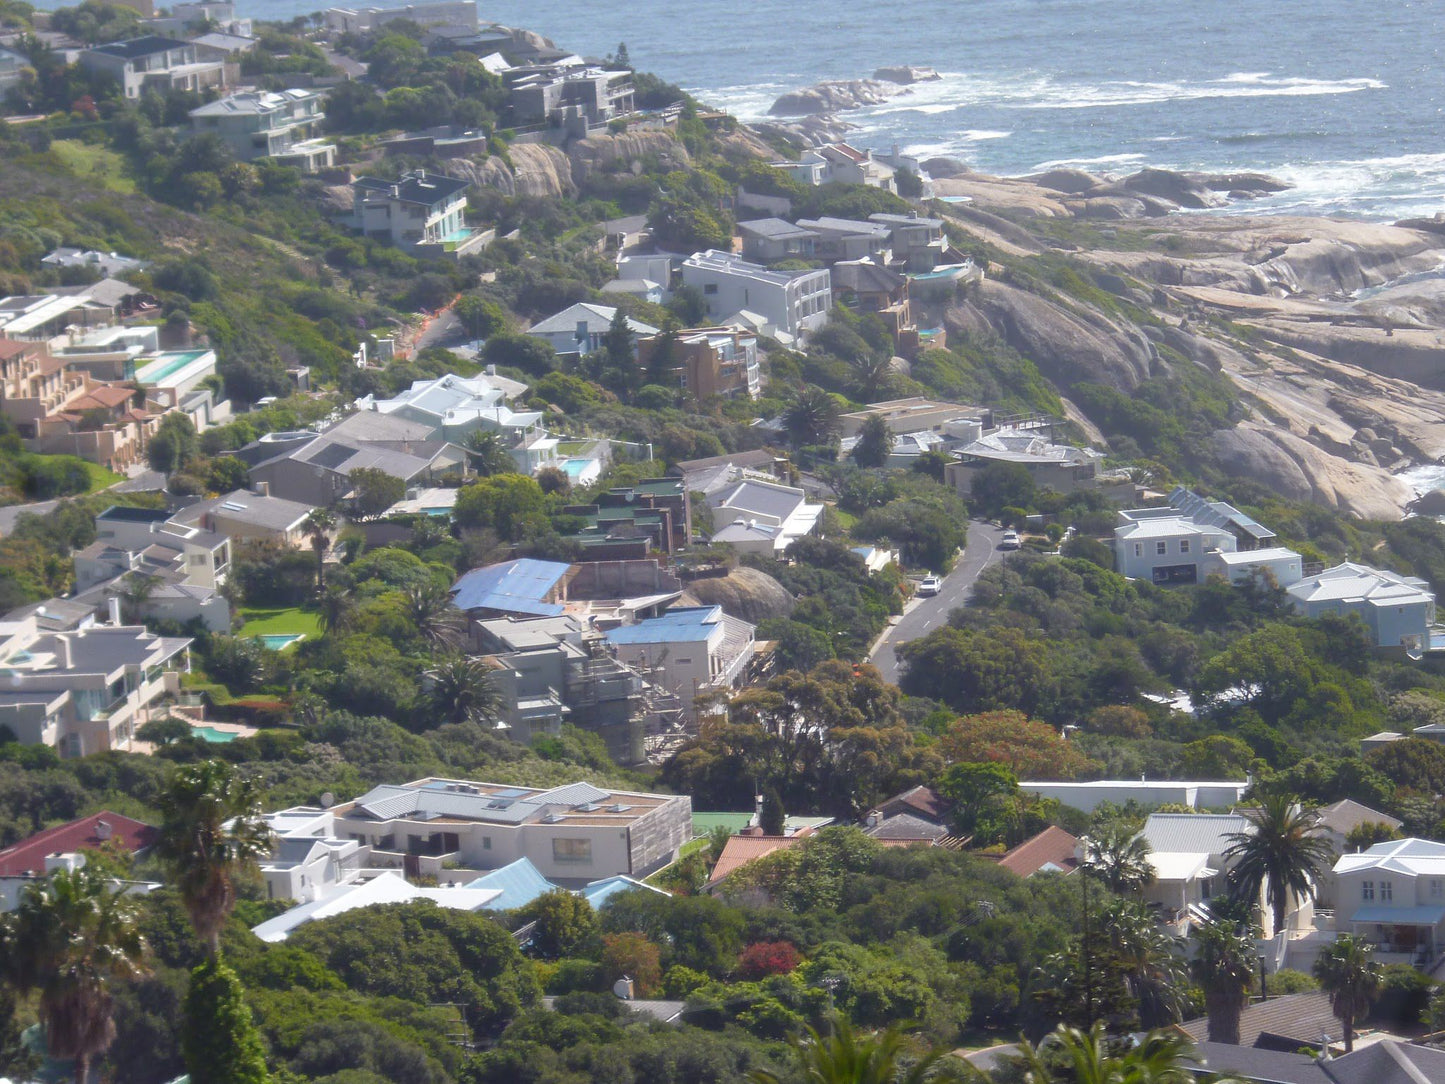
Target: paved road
x: 924, y: 615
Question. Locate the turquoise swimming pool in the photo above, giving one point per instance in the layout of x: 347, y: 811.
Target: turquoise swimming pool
x: 210, y: 733
x: 279, y: 641
x: 167, y: 364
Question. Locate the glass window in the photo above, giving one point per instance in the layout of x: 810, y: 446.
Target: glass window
x: 572, y: 850
x: 1387, y: 891
x: 1138, y: 549
x: 1367, y: 890
x: 1184, y: 545
x: 1437, y: 889
x: 486, y: 843
x: 1161, y: 548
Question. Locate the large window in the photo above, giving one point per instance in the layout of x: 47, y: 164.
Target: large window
x: 1161, y: 548
x: 1387, y: 891
x: 1367, y: 890
x: 572, y: 850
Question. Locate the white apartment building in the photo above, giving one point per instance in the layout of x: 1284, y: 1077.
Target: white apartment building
x: 572, y: 834
x: 792, y: 303
x: 86, y: 691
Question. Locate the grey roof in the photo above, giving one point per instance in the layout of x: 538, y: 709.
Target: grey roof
x: 275, y: 513
x: 761, y: 497
x: 1192, y: 833
x: 1260, y: 1066
x: 480, y: 802
x: 1388, y: 1062
x: 1299, y: 1019
x: 847, y: 226
x: 136, y: 48
x: 571, y: 794
x: 905, y: 220
x: 1217, y: 513
x: 425, y: 190
x: 1347, y: 814
x: 906, y: 826
x: 866, y: 278
x: 774, y: 229
x: 758, y: 457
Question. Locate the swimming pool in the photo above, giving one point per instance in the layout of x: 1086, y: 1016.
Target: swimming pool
x: 279, y: 641
x: 210, y: 733
x: 166, y: 365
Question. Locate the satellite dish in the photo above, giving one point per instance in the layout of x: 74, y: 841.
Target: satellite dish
x: 328, y: 800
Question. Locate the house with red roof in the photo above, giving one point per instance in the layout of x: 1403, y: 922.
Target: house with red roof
x: 61, y: 847
x: 1051, y: 851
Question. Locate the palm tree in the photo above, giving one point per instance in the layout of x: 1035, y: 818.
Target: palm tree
x: 1351, y: 978
x: 845, y: 1057
x: 1282, y: 853
x: 1119, y: 857
x: 1154, y: 968
x: 489, y: 455
x: 1223, y: 966
x: 72, y: 936
x: 812, y: 417
x: 333, y: 608
x: 135, y: 589
x: 1073, y: 1056
x: 462, y: 690
x: 432, y: 612
x: 211, y: 830
x: 317, y: 526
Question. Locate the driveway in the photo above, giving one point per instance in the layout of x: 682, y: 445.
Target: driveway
x: 922, y: 616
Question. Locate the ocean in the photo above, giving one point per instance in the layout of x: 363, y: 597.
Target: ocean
x: 1340, y: 97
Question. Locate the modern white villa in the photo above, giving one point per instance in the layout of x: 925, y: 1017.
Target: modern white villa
x: 1192, y: 537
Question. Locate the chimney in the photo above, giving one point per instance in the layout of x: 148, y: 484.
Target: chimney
x: 103, y: 830
x: 66, y: 660
x: 262, y: 489
x: 421, y: 174
x: 875, y: 818
x: 113, y: 605
x: 624, y: 988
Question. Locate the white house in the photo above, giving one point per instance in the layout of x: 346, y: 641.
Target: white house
x: 757, y: 516
x: 151, y: 61
x: 575, y: 833
x: 579, y: 329
x: 792, y: 302
x: 1335, y: 822
x: 1188, y: 539
x: 1399, y: 610
x: 456, y: 406
x: 270, y: 124
x: 382, y: 888
x: 1394, y: 896
x: 1090, y: 794
x: 420, y: 212
x: 690, y: 650
x: 841, y: 163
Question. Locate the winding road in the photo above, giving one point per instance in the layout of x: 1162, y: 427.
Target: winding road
x: 922, y: 616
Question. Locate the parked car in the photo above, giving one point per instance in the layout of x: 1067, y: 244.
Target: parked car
x: 929, y: 586
x: 1009, y: 541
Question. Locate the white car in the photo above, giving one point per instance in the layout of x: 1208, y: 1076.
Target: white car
x: 929, y: 586
x: 1009, y: 541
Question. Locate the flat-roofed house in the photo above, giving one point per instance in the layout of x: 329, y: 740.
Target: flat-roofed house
x: 153, y: 61
x: 769, y: 239
x: 281, y: 125
x: 792, y: 303
x: 421, y: 213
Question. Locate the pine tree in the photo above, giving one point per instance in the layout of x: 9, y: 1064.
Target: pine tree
x: 219, y: 1037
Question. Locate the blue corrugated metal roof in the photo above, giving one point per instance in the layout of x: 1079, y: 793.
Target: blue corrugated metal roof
x: 512, y: 587
x: 520, y: 883
x: 675, y: 626
x: 599, y: 892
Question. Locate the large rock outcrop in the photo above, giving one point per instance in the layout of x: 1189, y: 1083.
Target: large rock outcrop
x: 744, y: 593
x: 537, y: 170
x: 906, y: 74
x: 1070, y: 344
x: 1299, y: 470
x: 606, y: 153
x: 833, y: 97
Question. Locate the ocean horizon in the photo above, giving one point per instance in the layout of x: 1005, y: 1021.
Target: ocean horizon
x: 1028, y: 85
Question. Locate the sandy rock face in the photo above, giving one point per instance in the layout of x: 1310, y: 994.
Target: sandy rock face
x: 537, y: 170
x: 604, y: 153
x: 1297, y: 469
x: 744, y: 593
x: 1068, y: 345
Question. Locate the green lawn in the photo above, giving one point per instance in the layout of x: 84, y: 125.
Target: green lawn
x: 100, y: 478
x: 92, y: 163
x: 846, y: 520
x: 291, y: 620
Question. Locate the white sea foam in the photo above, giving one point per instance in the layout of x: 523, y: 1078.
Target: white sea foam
x: 1053, y: 95
x: 1084, y: 163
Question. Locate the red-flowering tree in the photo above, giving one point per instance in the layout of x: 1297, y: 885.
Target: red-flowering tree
x: 764, y: 958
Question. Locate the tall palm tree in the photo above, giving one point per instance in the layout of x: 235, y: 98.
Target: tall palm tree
x: 135, y: 590
x: 845, y: 1057
x: 432, y: 612
x: 1073, y: 1056
x: 1282, y: 853
x: 72, y: 936
x: 1223, y: 966
x: 812, y: 417
x: 211, y: 831
x: 334, y: 608
x: 1119, y: 857
x: 462, y: 690
x: 489, y: 455
x: 1351, y: 978
x: 317, y: 526
x: 1154, y: 968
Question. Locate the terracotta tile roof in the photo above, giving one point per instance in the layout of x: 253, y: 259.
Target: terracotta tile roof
x: 741, y: 850
x: 921, y: 801
x: 28, y: 856
x: 108, y: 395
x: 13, y: 348
x: 1051, y: 847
